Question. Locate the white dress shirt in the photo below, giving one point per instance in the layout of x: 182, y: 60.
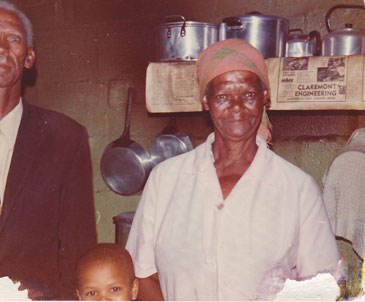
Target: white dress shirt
x: 9, y: 126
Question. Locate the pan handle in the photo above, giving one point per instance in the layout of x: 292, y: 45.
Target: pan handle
x: 171, y: 127
x: 127, y: 123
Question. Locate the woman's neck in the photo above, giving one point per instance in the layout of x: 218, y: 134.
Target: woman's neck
x: 232, y: 159
x: 226, y: 150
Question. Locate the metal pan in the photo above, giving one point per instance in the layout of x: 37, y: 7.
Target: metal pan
x: 170, y: 142
x: 125, y: 164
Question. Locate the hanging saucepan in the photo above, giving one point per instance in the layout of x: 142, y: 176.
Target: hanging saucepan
x: 169, y: 143
x: 301, y: 45
x: 343, y: 41
x: 125, y: 164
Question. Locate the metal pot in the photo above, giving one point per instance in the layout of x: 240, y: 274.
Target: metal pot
x: 125, y: 164
x: 301, y: 45
x: 180, y: 40
x: 123, y: 223
x: 344, y: 41
x: 267, y: 33
x: 170, y: 142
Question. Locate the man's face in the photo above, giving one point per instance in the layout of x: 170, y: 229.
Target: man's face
x: 235, y: 100
x: 14, y: 53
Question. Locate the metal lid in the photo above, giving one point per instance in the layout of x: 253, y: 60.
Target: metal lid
x: 178, y: 20
x: 298, y: 37
x: 346, y: 32
x: 254, y: 16
x: 187, y: 24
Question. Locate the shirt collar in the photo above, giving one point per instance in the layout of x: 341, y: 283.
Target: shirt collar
x: 9, y: 124
x: 205, y: 158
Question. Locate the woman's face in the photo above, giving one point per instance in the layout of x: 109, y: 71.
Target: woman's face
x: 235, y: 100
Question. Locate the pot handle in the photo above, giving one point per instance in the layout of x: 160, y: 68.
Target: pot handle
x: 233, y: 22
x: 173, y: 18
x: 254, y: 13
x: 295, y: 30
x: 315, y: 35
x: 328, y: 14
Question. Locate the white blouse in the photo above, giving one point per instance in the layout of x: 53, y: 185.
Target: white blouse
x: 273, y: 223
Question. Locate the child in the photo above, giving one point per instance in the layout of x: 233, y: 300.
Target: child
x: 106, y: 273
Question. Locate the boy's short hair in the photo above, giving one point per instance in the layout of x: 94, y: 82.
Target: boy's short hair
x: 107, y: 252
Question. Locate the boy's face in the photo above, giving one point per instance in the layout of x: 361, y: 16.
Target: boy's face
x: 106, y: 281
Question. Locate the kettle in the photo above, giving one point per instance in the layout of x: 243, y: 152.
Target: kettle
x: 301, y: 45
x: 345, y: 41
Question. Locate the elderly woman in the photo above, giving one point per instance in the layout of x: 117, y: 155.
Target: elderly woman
x: 230, y: 218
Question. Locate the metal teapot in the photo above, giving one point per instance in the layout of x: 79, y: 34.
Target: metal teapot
x: 301, y: 45
x: 345, y: 41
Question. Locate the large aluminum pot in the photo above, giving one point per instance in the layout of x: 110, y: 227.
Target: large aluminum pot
x: 267, y: 33
x: 302, y: 45
x: 343, y: 41
x: 180, y: 40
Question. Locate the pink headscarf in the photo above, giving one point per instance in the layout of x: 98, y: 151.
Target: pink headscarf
x: 231, y: 55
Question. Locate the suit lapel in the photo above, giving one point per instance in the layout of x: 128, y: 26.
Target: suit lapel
x: 26, y: 147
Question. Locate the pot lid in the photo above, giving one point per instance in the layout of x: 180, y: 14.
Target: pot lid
x: 348, y: 31
x: 187, y: 24
x: 179, y: 20
x: 258, y: 16
x: 297, y: 37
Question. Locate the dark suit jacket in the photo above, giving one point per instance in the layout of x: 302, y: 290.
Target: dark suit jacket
x: 47, y: 219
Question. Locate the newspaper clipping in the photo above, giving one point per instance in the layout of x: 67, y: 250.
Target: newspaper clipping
x: 172, y: 87
x: 318, y: 83
x: 313, y: 80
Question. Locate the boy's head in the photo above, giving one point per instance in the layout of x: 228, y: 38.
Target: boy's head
x: 106, y: 273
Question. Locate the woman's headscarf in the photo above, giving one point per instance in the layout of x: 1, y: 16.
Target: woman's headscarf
x: 231, y: 55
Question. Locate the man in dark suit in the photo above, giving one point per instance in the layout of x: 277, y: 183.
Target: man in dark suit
x: 47, y: 218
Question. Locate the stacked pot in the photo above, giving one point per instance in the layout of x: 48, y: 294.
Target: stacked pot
x: 181, y: 40
x: 267, y: 33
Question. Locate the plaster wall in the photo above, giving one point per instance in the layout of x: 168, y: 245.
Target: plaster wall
x: 90, y: 51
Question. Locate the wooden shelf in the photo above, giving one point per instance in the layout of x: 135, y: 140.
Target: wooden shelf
x: 309, y: 83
